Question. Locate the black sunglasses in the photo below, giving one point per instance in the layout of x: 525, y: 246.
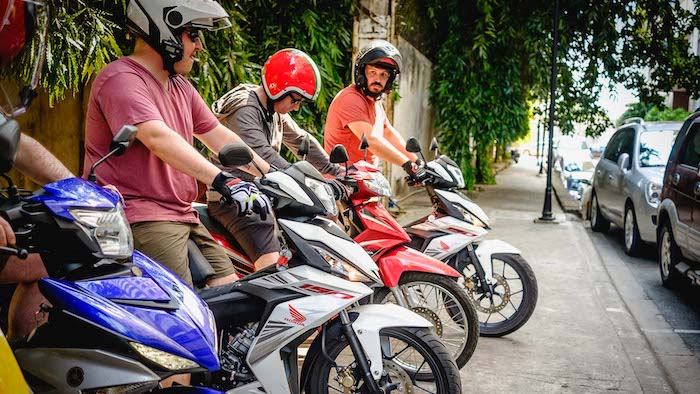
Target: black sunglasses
x: 296, y: 100
x: 193, y: 34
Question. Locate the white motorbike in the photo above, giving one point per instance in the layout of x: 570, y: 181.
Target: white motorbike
x: 315, y: 288
x: 499, y: 280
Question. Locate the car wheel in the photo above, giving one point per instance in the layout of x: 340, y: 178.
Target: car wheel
x: 669, y: 256
x: 598, y: 223
x: 633, y: 242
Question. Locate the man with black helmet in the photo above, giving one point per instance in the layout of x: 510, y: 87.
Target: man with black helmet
x: 21, y: 22
x: 157, y: 174
x: 357, y: 110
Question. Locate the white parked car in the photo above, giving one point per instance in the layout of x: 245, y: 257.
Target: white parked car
x: 627, y: 180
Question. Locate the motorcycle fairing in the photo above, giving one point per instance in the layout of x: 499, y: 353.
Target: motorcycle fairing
x: 340, y: 244
x: 129, y: 288
x: 75, y: 193
x: 402, y: 259
x: 326, y: 295
x: 465, y: 203
x: 381, y: 231
x: 187, y: 331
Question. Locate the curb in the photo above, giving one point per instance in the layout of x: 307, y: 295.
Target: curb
x: 566, y: 202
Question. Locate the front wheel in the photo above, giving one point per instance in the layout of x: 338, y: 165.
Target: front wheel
x: 407, y: 353
x: 512, y: 297
x: 441, y: 301
x: 669, y: 257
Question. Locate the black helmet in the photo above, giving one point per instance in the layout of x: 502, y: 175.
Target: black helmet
x: 378, y: 53
x: 160, y: 23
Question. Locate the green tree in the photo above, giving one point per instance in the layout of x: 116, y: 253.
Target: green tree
x: 492, y: 65
x: 85, y: 35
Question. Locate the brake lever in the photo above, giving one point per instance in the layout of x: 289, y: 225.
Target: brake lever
x: 19, y: 252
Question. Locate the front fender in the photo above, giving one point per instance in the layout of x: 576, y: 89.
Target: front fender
x: 402, y: 259
x: 372, y: 319
x: 490, y: 247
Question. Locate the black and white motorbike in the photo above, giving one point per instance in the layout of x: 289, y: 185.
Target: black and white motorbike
x: 500, y: 281
x: 264, y: 317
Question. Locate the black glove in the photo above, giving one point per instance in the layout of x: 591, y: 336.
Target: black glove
x: 339, y: 190
x: 409, y: 168
x: 245, y: 194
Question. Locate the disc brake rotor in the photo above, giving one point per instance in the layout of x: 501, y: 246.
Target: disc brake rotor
x: 393, y: 373
x: 431, y: 317
x: 398, y: 375
x: 492, y: 308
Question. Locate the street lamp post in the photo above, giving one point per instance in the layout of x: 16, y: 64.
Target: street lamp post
x: 538, y: 141
x: 547, y: 208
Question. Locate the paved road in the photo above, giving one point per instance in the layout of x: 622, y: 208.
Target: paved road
x: 679, y: 307
x: 583, y: 337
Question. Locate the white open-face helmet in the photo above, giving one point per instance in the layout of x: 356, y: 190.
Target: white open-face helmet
x: 161, y: 22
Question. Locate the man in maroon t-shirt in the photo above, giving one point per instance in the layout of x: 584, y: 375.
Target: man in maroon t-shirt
x: 157, y: 174
x: 357, y: 111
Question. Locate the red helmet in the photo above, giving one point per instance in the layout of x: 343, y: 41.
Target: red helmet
x: 19, y: 20
x: 291, y: 71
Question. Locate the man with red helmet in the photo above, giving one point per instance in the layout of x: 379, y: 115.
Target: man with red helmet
x: 357, y: 110
x: 260, y: 116
x: 20, y: 23
x: 157, y: 174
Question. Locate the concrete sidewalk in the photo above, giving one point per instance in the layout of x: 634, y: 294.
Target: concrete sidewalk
x: 581, y: 338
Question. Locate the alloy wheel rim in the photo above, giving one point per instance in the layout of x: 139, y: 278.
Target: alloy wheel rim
x: 666, y: 254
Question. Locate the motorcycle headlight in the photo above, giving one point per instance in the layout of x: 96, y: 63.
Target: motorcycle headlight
x: 457, y: 174
x: 324, y: 193
x: 653, y: 193
x: 109, y: 229
x: 341, y: 267
x: 470, y: 218
x: 164, y: 359
x: 379, y: 184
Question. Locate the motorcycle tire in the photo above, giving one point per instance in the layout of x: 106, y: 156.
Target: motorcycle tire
x: 460, y: 312
x: 324, y: 370
x: 523, y: 311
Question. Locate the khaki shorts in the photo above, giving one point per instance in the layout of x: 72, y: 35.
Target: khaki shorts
x: 166, y: 242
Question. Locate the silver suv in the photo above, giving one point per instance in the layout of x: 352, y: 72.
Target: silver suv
x: 627, y: 180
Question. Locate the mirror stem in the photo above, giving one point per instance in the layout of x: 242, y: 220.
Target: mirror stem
x: 92, y: 177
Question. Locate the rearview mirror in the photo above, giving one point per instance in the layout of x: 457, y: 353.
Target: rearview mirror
x: 235, y: 154
x: 412, y: 145
x: 363, y: 142
x: 339, y: 154
x: 623, y: 161
x: 9, y: 144
x: 434, y: 145
x: 123, y: 139
x: 304, y: 147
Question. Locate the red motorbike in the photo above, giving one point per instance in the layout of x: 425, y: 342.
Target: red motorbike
x: 411, y: 279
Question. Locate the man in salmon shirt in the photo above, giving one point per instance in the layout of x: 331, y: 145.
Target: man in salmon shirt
x: 156, y: 176
x: 357, y: 110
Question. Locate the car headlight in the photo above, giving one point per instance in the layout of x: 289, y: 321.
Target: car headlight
x: 341, y: 267
x: 653, y: 193
x: 470, y: 218
x: 379, y: 184
x: 164, y: 359
x: 324, y: 193
x: 457, y: 174
x: 109, y: 229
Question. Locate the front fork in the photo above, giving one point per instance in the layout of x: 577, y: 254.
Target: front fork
x: 359, y: 353
x: 469, y: 254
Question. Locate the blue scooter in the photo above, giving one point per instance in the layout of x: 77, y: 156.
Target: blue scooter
x: 118, y: 321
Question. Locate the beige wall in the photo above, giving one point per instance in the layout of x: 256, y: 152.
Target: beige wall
x: 59, y: 129
x: 413, y: 114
